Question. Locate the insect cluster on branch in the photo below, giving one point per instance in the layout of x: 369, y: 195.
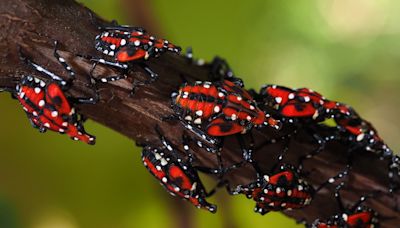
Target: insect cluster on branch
x: 210, y: 111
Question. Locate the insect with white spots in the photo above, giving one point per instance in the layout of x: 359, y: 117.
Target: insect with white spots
x: 214, y: 110
x: 282, y: 189
x: 131, y: 46
x: 46, y: 105
x: 305, y: 107
x: 356, y: 216
x: 177, y: 176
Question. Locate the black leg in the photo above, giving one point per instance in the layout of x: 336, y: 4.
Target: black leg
x: 62, y: 61
x: 335, y: 178
x: 41, y: 69
x: 321, y: 141
x: 220, y: 70
x: 247, y: 153
x: 338, y: 197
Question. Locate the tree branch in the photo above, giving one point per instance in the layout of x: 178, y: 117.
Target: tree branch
x: 34, y: 24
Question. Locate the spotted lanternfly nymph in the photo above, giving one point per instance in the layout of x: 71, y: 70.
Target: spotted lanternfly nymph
x: 304, y: 106
x: 213, y: 110
x: 309, y: 106
x: 46, y: 105
x: 282, y: 189
x: 131, y: 45
x: 356, y: 216
x: 178, y: 177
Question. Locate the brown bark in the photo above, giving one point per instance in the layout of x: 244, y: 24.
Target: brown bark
x: 34, y: 24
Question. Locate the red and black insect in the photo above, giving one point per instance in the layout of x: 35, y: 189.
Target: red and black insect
x: 46, y: 105
x: 356, y: 216
x: 178, y: 177
x: 131, y: 45
x: 213, y: 110
x: 282, y: 189
x: 307, y: 105
x: 303, y: 103
x: 304, y: 106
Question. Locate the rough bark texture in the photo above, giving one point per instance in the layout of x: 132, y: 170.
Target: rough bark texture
x: 34, y: 24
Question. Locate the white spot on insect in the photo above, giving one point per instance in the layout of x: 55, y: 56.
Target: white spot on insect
x: 194, y: 186
x: 34, y: 113
x: 64, y: 124
x: 106, y: 34
x: 105, y: 52
x: 61, y: 60
x: 41, y: 103
x: 188, y: 118
x: 239, y: 98
x: 112, y: 47
x: 54, y: 113
x: 207, y: 86
x: 122, y: 42
x: 22, y: 95
x: 300, y: 187
x: 220, y: 94
x: 233, y: 117
x: 186, y: 147
x: 345, y: 217
x: 177, y: 189
x: 291, y: 96
x: 199, y: 112
x: 217, y: 109
x: 307, y: 99
x: 316, y: 114
x: 157, y: 156
x: 248, y: 118
x: 61, y: 130
x: 283, y: 204
x: 158, y: 168
x: 360, y: 137
x: 289, y: 192
x: 197, y: 121
x: 169, y: 147
x: 252, y: 107
x: 278, y: 100
x: 266, y: 178
x: 37, y: 80
x: 278, y: 190
x: 136, y: 43
x: 164, y: 179
x: 42, y: 84
x: 163, y: 162
x: 111, y: 53
x: 46, y: 125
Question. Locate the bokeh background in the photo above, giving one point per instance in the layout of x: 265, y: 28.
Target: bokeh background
x: 347, y: 50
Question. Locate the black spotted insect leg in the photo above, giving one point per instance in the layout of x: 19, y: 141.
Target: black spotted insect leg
x: 190, y: 159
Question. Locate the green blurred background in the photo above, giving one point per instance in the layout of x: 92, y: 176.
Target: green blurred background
x: 347, y: 50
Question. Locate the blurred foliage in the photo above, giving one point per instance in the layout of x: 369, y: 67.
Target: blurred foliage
x: 347, y: 50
